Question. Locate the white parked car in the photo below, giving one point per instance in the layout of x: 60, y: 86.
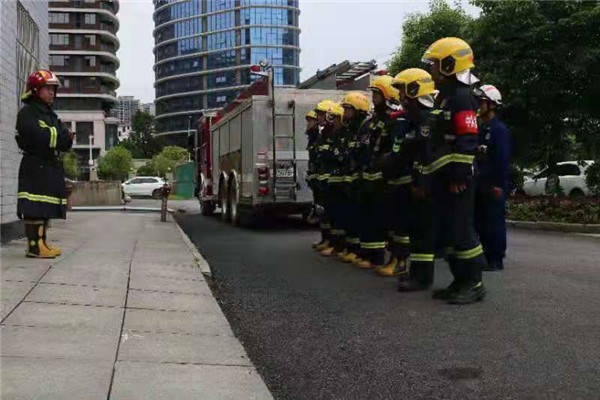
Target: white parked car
x: 144, y: 186
x: 570, y: 175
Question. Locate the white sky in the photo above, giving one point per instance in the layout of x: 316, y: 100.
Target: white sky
x: 332, y: 31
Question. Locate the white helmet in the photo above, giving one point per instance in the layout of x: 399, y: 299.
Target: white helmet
x: 489, y: 92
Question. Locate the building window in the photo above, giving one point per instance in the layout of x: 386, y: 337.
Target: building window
x: 90, y: 40
x: 59, y: 39
x: 64, y: 82
x: 28, y: 48
x: 84, y: 130
x: 91, y: 83
x: 59, y: 18
x: 59, y: 61
x: 90, y: 61
x: 90, y: 19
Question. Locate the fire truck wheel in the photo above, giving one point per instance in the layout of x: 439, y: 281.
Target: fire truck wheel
x: 234, y: 203
x: 225, y: 209
x: 207, y: 208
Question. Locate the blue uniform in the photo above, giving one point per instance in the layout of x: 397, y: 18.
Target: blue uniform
x: 493, y: 171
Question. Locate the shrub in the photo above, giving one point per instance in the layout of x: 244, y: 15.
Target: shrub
x: 592, y: 178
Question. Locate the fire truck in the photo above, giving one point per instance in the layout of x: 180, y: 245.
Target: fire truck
x: 251, y: 157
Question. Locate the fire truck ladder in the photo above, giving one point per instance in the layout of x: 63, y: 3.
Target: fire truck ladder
x: 284, y: 168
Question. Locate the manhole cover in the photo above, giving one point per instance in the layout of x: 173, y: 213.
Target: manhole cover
x: 457, y: 374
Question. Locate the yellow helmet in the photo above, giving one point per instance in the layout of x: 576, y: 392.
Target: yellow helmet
x: 311, y: 114
x: 357, y: 100
x: 383, y: 83
x: 324, y: 105
x: 415, y: 82
x: 454, y: 55
x: 336, y: 109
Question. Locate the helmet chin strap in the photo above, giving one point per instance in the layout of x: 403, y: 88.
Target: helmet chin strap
x: 467, y: 77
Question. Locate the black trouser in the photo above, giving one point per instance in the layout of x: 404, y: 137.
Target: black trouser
x: 313, y: 183
x: 337, y: 210
x: 422, y: 239
x: 373, y: 219
x: 455, y: 214
x: 353, y: 219
x: 320, y: 188
x: 398, y: 212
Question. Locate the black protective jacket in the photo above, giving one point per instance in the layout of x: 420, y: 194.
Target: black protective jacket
x: 41, y: 137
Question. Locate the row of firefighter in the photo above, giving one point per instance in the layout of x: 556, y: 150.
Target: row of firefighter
x: 420, y: 172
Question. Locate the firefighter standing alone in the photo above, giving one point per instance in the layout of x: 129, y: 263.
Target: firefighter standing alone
x: 493, y: 162
x: 41, y: 137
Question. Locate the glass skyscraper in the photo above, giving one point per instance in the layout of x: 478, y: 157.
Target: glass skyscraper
x: 204, y: 49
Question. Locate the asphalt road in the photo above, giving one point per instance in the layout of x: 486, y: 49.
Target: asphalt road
x: 319, y: 329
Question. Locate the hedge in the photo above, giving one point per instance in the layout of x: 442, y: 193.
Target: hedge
x: 555, y: 209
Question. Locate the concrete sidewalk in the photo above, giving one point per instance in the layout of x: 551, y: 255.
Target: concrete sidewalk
x: 124, y: 313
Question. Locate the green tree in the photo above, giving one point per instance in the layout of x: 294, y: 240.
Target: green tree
x: 115, y: 164
x: 141, y: 142
x: 148, y: 169
x: 544, y: 56
x: 419, y: 30
x: 169, y: 158
x: 71, y: 164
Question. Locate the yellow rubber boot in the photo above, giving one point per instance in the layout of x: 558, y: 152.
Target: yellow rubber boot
x: 350, y: 258
x: 322, y: 246
x: 390, y: 269
x: 366, y: 264
x: 53, y: 249
x: 35, y: 242
x: 342, y: 254
x: 328, y: 252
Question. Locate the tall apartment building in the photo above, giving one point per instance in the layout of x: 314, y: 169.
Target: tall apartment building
x: 150, y: 108
x: 23, y: 49
x: 204, y: 50
x: 83, y: 47
x: 128, y: 106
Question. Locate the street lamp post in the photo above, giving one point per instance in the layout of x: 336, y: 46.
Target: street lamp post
x: 188, y: 135
x: 91, y: 159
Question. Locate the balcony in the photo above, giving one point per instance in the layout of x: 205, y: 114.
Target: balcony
x: 107, y: 27
x: 79, y: 25
x: 109, y: 69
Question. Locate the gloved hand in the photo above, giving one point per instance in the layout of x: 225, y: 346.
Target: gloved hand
x: 497, y: 192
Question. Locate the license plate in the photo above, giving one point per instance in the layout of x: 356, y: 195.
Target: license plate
x: 285, y: 172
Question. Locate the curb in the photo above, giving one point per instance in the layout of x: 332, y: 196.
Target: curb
x: 118, y: 208
x: 200, y: 261
x: 554, y: 226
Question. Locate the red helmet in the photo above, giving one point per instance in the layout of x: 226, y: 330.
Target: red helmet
x: 38, y: 79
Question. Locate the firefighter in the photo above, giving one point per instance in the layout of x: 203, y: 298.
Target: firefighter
x: 493, y: 162
x: 397, y: 176
x: 356, y: 106
x: 412, y: 150
x: 41, y: 137
x: 375, y: 139
x: 455, y: 141
x: 335, y: 194
x: 320, y: 178
x: 312, y: 136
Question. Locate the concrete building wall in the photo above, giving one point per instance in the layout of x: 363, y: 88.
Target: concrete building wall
x: 10, y: 105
